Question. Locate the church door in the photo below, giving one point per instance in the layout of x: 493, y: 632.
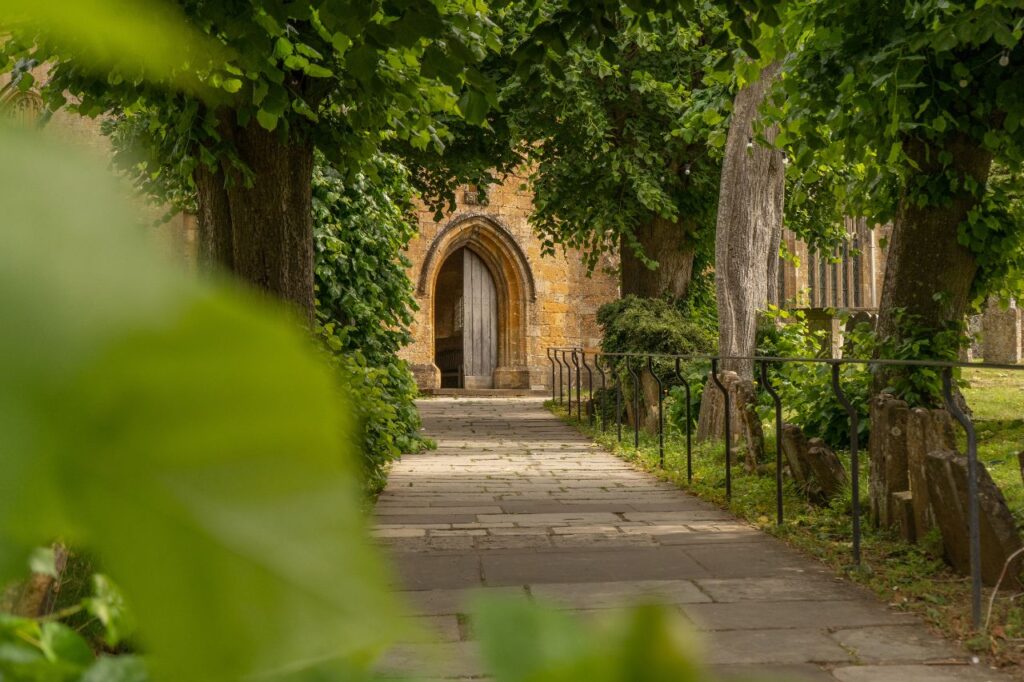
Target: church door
x: 480, y: 328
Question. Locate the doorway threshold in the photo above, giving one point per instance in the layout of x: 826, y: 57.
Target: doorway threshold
x: 487, y: 392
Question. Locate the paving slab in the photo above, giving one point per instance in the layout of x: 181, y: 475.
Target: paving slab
x: 515, y: 503
x: 917, y: 673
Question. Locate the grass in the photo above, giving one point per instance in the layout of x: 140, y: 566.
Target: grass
x: 996, y: 399
x: 908, y: 577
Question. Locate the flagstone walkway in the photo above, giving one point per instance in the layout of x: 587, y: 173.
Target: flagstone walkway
x: 514, y: 501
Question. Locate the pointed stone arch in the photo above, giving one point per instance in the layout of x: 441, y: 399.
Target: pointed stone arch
x: 513, y: 278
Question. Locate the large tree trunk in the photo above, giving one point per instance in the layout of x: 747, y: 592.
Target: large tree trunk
x: 929, y: 274
x: 746, y: 243
x: 261, y: 226
x: 670, y: 244
x: 216, y: 248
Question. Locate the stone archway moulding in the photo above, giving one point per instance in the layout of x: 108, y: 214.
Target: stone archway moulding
x: 456, y: 231
x: 507, y: 262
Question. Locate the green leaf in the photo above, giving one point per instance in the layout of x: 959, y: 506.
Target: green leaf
x: 116, y: 669
x: 60, y: 643
x: 141, y: 420
x: 153, y: 37
x: 474, y: 106
x: 108, y: 607
x: 267, y: 119
x: 43, y: 561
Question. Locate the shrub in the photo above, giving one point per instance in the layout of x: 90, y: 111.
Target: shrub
x: 655, y: 325
x: 806, y: 389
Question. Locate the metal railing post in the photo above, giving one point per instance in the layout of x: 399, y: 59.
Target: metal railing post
x: 604, y: 392
x: 636, y: 403
x: 590, y: 387
x: 728, y: 428
x: 579, y: 392
x: 552, y: 375
x: 689, y: 443
x: 661, y: 414
x: 854, y: 458
x: 560, y: 391
x: 973, y: 518
x: 778, y: 440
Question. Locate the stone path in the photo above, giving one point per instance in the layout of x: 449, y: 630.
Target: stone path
x: 514, y: 501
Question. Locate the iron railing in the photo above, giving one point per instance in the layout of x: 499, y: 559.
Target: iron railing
x: 566, y: 363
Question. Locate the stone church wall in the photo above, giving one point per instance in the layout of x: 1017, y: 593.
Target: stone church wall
x: 558, y: 301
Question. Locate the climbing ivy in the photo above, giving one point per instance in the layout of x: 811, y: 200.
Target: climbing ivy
x: 365, y: 300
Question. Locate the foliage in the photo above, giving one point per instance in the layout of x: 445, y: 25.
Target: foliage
x: 365, y: 301
x: 653, y: 325
x: 524, y: 642
x: 633, y: 127
x: 808, y: 399
x: 806, y: 389
x: 349, y: 74
x: 877, y: 96
x: 142, y: 420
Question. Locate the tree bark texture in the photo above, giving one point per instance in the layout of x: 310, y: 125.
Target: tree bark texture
x: 215, y: 242
x: 670, y: 244
x: 925, y: 258
x: 262, y: 229
x: 747, y: 238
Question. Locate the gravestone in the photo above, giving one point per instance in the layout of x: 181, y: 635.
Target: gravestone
x: 794, y: 444
x: 946, y: 475
x: 927, y: 431
x: 816, y: 469
x: 1001, y: 334
x: 888, y: 471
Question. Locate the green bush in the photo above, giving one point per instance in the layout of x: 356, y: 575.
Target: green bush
x: 655, y: 325
x: 806, y: 389
x: 365, y: 302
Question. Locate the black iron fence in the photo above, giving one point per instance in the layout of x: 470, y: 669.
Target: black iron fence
x: 568, y: 366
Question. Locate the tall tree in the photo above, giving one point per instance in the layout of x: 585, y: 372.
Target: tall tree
x: 617, y: 144
x: 920, y: 99
x: 747, y: 235
x: 288, y: 77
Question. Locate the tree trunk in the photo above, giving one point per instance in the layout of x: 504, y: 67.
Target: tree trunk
x: 929, y: 274
x: 216, y: 249
x: 260, y: 225
x: 670, y: 244
x: 746, y: 243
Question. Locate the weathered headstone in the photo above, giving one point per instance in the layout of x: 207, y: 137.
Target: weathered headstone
x: 815, y: 468
x: 794, y: 443
x: 903, y: 507
x: 946, y: 476
x: 1001, y: 334
x: 828, y: 471
x: 888, y: 471
x: 927, y: 430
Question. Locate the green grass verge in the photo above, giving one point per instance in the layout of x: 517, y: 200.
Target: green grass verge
x: 909, y: 577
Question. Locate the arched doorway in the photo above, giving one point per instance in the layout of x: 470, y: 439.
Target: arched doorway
x: 466, y: 322
x: 508, y: 270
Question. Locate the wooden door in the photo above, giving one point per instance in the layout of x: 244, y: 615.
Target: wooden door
x: 480, y: 322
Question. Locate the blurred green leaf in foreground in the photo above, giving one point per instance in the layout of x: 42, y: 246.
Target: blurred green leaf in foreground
x: 188, y: 435
x: 524, y: 642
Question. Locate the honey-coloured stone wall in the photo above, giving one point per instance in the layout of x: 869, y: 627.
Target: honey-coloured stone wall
x: 543, y: 301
